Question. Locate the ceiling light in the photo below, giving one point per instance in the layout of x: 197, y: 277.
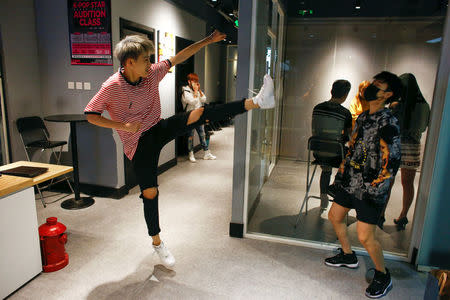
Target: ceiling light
x: 433, y: 41
x: 357, y: 4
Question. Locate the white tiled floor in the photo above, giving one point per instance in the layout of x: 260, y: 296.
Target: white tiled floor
x: 111, y: 257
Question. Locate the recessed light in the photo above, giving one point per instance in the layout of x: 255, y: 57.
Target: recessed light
x: 433, y: 41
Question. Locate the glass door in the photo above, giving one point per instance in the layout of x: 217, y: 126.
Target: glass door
x: 264, y: 128
x: 318, y: 52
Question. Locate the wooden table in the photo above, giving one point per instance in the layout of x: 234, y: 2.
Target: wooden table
x: 20, y: 254
x: 10, y: 184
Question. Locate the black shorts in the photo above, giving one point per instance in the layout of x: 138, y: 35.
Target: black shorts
x: 367, y: 211
x: 334, y: 161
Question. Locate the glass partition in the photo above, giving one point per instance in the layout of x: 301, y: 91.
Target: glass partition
x: 318, y: 52
x: 264, y: 134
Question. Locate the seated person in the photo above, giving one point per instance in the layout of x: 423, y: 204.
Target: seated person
x: 331, y: 121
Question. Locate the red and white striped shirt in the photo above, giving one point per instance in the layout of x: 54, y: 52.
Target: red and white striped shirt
x: 128, y: 103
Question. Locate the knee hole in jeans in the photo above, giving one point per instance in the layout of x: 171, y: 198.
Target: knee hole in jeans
x: 150, y: 193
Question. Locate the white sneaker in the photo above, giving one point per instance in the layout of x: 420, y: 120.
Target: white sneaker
x: 265, y: 98
x: 192, y: 157
x: 164, y: 254
x: 208, y: 155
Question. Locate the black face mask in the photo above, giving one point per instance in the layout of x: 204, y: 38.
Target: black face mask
x: 370, y: 94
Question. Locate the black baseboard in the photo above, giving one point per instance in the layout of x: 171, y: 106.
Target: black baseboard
x: 91, y: 190
x: 108, y: 192
x: 103, y: 191
x: 237, y: 230
x: 118, y: 193
x: 167, y: 165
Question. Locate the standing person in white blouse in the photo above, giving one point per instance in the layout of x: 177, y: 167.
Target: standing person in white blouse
x: 193, y: 98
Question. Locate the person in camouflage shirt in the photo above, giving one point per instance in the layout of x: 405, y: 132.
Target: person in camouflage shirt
x: 373, y: 157
x: 363, y: 179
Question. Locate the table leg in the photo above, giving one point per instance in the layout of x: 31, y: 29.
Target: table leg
x: 77, y: 202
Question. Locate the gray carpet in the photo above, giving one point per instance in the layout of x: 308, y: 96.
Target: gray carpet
x: 111, y: 257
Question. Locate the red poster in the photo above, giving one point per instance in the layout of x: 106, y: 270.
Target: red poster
x: 90, y: 32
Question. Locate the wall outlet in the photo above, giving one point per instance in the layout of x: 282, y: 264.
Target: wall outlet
x: 87, y: 85
x: 70, y: 85
x: 79, y: 85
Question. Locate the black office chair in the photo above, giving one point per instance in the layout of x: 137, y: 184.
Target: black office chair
x: 35, y: 137
x: 323, y: 148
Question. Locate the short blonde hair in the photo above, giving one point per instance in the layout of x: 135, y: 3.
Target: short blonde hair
x: 132, y: 46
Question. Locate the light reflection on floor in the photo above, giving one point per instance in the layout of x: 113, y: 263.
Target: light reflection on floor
x: 281, y: 197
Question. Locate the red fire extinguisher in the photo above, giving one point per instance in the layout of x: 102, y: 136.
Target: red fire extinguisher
x: 53, y: 238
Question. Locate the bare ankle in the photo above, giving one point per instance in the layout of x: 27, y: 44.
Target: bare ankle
x: 249, y: 104
x: 348, y: 251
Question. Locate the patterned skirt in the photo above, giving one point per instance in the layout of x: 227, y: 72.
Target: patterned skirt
x: 410, y: 156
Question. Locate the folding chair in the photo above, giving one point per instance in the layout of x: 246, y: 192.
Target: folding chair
x: 35, y: 137
x: 322, y: 148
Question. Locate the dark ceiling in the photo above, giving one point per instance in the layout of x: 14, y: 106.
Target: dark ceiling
x: 222, y: 14
x: 219, y: 14
x: 368, y: 8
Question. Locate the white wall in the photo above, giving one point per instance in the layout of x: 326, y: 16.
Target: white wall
x: 318, y: 53
x: 21, y: 70
x: 215, y: 72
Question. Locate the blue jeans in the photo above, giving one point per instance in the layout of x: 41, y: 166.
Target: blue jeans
x: 201, y: 134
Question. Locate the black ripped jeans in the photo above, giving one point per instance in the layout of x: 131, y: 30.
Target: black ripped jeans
x: 145, y: 160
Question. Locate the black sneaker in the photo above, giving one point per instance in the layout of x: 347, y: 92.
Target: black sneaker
x: 380, y: 285
x: 343, y: 260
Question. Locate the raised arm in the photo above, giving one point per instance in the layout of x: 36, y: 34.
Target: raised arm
x: 187, y: 52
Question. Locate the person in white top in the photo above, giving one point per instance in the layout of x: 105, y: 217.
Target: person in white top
x: 193, y: 98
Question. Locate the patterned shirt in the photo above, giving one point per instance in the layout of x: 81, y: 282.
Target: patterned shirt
x: 373, y: 157
x: 127, y: 102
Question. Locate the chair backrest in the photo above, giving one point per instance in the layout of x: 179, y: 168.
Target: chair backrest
x: 327, y: 125
x: 326, y: 147
x: 32, y: 129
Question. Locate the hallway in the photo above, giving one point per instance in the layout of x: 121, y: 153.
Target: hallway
x: 111, y: 256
